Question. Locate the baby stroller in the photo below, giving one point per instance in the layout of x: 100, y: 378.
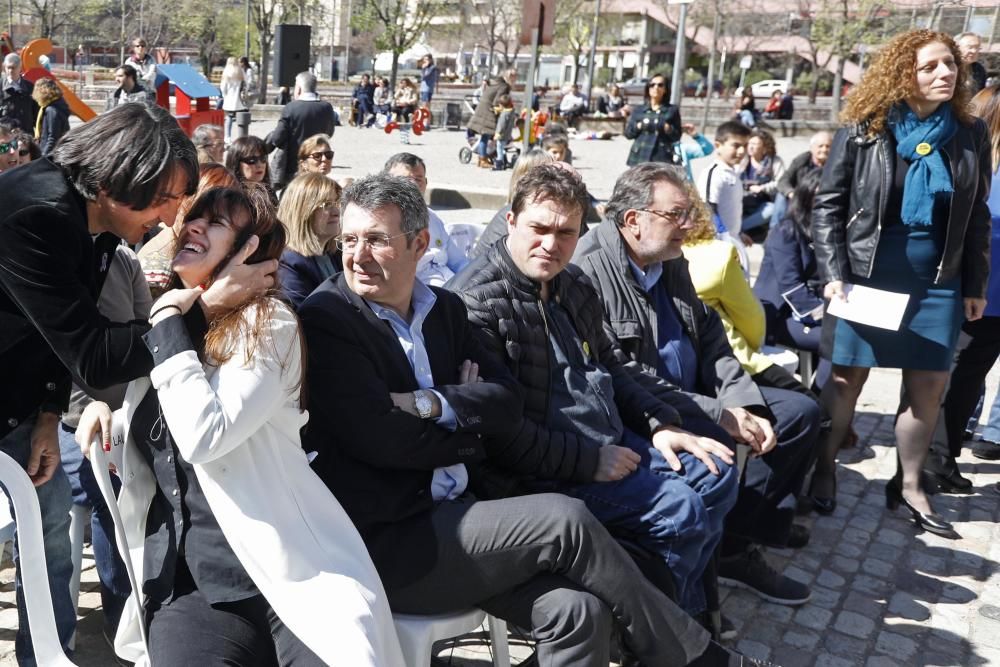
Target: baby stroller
x: 512, y: 152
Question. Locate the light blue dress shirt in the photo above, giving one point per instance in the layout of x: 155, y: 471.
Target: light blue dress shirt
x: 449, y: 482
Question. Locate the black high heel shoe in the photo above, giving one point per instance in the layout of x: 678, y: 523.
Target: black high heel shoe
x: 932, y: 523
x: 824, y: 506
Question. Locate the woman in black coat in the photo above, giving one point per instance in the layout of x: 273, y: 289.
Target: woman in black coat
x: 655, y: 126
x: 53, y: 115
x: 484, y: 121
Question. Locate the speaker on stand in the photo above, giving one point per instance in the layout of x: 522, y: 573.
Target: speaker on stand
x: 291, y: 53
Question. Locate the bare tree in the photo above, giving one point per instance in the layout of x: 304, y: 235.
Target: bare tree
x: 265, y: 14
x: 838, y: 27
x: 397, y: 24
x: 500, y: 27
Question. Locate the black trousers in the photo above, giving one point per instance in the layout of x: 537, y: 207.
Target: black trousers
x: 771, y: 483
x: 541, y: 562
x: 190, y: 631
x: 973, y: 364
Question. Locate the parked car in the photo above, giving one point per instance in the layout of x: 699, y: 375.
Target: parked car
x: 765, y: 88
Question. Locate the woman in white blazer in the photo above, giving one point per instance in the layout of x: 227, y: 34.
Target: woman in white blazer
x: 243, y: 555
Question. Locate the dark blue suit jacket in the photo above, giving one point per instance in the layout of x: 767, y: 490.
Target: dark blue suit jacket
x: 299, y: 275
x: 789, y: 268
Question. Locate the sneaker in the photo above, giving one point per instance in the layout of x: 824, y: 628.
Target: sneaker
x: 751, y: 571
x: 986, y: 449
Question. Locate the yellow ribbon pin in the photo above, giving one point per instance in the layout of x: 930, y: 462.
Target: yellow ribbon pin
x: 586, y: 349
x: 924, y: 149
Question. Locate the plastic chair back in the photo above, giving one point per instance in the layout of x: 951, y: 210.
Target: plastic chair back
x: 34, y: 573
x: 417, y: 634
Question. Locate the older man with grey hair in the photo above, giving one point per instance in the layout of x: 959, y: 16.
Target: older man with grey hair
x: 804, y: 164
x: 969, y: 43
x: 210, y: 143
x: 16, y: 103
x: 301, y: 118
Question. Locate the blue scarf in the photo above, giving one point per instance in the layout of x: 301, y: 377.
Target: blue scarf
x: 919, y: 142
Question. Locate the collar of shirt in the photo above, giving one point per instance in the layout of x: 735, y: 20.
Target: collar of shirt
x: 647, y: 279
x: 410, y: 333
x: 309, y: 97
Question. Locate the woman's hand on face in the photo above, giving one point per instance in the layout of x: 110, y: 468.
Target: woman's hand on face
x: 96, y: 419
x: 834, y: 290
x: 239, y: 282
x: 974, y: 309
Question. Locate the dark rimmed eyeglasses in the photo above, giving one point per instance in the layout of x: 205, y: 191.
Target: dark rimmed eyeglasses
x: 676, y: 217
x: 349, y: 243
x: 319, y: 156
x: 253, y: 160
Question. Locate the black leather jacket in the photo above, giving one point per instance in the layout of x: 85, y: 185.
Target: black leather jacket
x: 850, y: 206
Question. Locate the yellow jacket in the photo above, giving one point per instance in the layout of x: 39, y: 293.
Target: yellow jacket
x: 718, y: 278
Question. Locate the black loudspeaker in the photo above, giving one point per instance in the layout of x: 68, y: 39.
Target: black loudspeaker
x: 291, y: 53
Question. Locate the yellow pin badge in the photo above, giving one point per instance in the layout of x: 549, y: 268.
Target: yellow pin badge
x: 586, y: 349
x: 924, y: 148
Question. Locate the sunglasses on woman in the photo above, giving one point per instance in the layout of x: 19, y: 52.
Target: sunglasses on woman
x: 251, y: 161
x: 9, y: 147
x: 319, y: 156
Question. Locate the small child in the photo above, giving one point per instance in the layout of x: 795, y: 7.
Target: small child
x: 556, y: 145
x: 504, y: 130
x: 721, y: 187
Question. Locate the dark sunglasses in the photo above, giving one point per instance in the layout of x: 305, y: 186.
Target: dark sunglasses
x: 9, y: 147
x: 321, y: 155
x: 251, y: 161
x: 657, y: 84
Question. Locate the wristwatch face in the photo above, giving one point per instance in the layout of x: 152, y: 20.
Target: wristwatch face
x: 422, y: 403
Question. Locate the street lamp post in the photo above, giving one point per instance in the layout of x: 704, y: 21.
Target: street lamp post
x: 680, y: 53
x: 593, y: 55
x: 246, y: 34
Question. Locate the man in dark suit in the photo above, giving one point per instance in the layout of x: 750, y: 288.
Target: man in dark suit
x: 60, y: 221
x: 16, y: 102
x: 305, y: 116
x: 403, y: 402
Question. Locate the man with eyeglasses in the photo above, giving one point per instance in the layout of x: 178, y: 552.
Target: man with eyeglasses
x: 404, y: 404
x: 654, y: 317
x: 142, y: 63
x: 593, y: 429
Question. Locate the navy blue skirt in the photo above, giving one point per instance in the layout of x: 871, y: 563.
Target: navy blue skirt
x: 906, y: 260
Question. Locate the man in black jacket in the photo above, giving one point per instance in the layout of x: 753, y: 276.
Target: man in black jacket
x: 403, y: 401
x: 591, y: 430
x: 300, y: 119
x: 16, y: 102
x: 60, y: 220
x: 654, y: 315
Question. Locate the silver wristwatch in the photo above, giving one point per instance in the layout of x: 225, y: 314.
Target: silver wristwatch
x: 423, y: 403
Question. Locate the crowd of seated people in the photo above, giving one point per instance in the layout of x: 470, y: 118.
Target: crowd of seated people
x: 329, y: 413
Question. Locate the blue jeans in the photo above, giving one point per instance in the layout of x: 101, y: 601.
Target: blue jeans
x: 780, y: 209
x: 676, y: 515
x: 991, y: 431
x: 54, y: 502
x: 115, y: 586
x: 761, y: 216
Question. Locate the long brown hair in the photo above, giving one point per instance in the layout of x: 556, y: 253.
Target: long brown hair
x: 986, y: 105
x: 226, y: 330
x: 891, y: 78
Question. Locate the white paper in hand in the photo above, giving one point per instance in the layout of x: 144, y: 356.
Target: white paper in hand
x: 874, y: 307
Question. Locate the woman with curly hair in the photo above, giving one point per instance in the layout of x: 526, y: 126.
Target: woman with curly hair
x: 902, y: 207
x: 53, y: 114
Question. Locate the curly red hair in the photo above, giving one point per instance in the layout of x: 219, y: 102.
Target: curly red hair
x: 891, y: 78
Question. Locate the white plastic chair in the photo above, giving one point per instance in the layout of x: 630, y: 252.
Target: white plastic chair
x: 417, y: 634
x: 78, y: 517
x: 6, y: 527
x: 34, y: 574
x: 787, y: 359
